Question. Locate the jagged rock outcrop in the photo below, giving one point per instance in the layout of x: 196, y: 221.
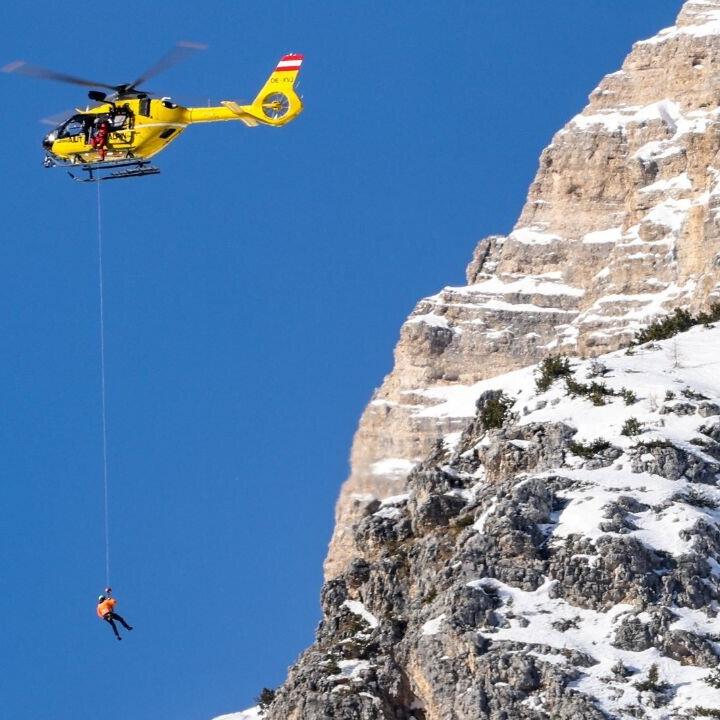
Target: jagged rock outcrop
x: 508, y: 549
x: 558, y: 559
x: 621, y: 223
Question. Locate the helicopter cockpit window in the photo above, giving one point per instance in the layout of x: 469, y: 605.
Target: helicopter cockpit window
x: 74, y: 126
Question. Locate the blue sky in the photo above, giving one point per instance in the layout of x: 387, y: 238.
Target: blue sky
x: 254, y: 292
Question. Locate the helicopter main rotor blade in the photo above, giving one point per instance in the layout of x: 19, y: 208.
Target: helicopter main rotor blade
x: 55, y: 120
x: 22, y: 68
x: 175, y: 55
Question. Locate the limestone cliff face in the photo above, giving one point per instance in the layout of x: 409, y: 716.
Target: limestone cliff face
x: 621, y: 224
x: 542, y: 542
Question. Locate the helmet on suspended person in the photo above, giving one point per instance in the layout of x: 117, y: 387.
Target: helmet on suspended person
x: 101, y: 598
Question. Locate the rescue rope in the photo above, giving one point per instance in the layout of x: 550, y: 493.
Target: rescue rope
x: 102, y: 388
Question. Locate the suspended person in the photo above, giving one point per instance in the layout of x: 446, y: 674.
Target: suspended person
x: 106, y: 611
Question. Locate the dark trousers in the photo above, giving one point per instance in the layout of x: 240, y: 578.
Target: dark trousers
x: 111, y: 617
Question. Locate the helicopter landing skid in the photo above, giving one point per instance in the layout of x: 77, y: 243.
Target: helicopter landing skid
x: 97, y: 172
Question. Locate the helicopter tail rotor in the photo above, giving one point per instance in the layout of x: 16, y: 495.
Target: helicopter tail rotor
x: 277, y: 102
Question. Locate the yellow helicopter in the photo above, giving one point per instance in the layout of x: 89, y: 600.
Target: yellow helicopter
x: 117, y: 138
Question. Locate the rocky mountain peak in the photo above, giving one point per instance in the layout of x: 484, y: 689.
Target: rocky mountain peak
x: 531, y: 529
x: 698, y: 13
x: 620, y: 226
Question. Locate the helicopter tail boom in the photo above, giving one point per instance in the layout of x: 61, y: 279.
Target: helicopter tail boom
x: 276, y: 104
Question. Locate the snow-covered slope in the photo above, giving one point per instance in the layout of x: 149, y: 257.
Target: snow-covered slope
x: 556, y: 559
x: 252, y: 714
x: 666, y: 478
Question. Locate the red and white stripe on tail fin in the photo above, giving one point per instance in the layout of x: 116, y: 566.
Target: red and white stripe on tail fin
x: 289, y: 62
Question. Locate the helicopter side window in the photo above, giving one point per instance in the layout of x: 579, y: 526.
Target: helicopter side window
x: 118, y: 121
x: 74, y: 126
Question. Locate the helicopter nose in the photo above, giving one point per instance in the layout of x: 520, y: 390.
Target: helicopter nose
x: 49, y: 139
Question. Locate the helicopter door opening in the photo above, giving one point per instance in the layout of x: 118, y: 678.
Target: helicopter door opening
x: 120, y: 134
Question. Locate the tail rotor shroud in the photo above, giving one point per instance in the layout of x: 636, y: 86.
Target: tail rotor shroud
x: 276, y: 105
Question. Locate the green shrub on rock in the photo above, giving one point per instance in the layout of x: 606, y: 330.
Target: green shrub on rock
x: 265, y: 698
x: 550, y: 369
x: 713, y: 679
x: 631, y: 427
x: 706, y: 712
x: 678, y: 322
x: 589, y: 450
x: 494, y: 411
x: 596, y: 392
x: 652, y: 683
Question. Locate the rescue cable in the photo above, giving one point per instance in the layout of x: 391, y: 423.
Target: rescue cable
x: 102, y: 389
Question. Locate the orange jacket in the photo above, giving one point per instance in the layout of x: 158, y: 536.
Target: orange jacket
x: 106, y: 606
